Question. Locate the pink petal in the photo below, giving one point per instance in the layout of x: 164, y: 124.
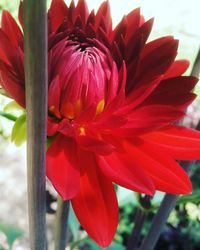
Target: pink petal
x: 54, y: 93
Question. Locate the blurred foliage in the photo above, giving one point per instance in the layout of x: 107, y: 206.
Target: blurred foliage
x: 18, y: 135
x: 11, y: 6
x: 11, y: 232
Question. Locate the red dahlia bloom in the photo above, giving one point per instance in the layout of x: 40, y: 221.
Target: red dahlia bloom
x: 113, y: 102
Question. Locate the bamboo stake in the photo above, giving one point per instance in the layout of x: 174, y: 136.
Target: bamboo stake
x: 35, y: 19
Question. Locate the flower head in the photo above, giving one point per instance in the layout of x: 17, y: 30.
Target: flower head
x: 113, y: 101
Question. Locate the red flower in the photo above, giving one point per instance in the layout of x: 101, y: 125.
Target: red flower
x: 113, y: 102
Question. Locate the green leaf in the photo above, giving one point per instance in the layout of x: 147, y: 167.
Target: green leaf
x: 116, y: 246
x: 18, y: 135
x: 74, y: 225
x: 12, y: 232
x: 8, y: 116
x: 113, y: 246
x: 194, y: 198
x: 2, y: 248
x: 13, y: 105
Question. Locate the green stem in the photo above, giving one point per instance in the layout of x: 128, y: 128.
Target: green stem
x: 35, y: 29
x: 139, y: 220
x: 159, y: 221
x: 62, y: 214
x: 8, y: 116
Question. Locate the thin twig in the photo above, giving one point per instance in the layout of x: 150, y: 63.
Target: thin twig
x: 35, y: 19
x: 196, y: 67
x: 62, y: 214
x: 139, y: 221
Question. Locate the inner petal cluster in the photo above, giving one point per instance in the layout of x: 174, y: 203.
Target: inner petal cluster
x: 83, y: 72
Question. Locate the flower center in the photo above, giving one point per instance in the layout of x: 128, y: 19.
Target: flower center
x: 84, y: 73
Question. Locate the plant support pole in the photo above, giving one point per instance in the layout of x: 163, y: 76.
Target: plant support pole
x: 62, y: 214
x: 35, y: 33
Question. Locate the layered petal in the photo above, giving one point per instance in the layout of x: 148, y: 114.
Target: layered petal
x: 179, y: 142
x: 96, y: 204
x: 124, y: 171
x: 165, y: 173
x: 10, y: 27
x: 11, y: 84
x: 62, y: 166
x: 175, y: 92
x: 177, y: 69
x: 57, y: 12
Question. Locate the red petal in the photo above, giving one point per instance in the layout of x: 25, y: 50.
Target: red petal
x: 133, y: 21
x: 52, y: 126
x: 81, y: 10
x: 57, y: 13
x: 94, y: 145
x: 137, y: 41
x: 142, y: 91
x: 165, y: 173
x: 177, y: 68
x: 10, y: 27
x: 96, y: 205
x: 122, y: 169
x: 174, y: 91
x: 158, y: 115
x: 11, y: 54
x: 103, y: 17
x: 62, y: 169
x: 11, y: 84
x: 155, y: 44
x: 158, y: 60
x: 120, y: 31
x: 180, y: 142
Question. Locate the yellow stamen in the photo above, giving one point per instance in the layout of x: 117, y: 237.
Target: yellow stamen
x: 82, y: 130
x: 68, y: 110
x: 52, y: 108
x: 78, y: 106
x: 100, y: 106
x: 55, y: 111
